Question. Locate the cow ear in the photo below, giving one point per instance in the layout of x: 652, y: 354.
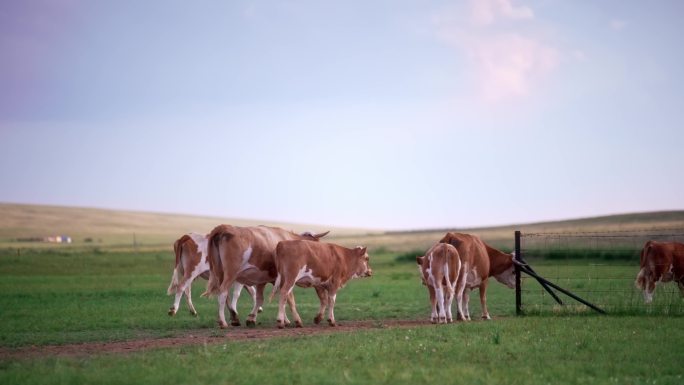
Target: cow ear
x: 361, y: 249
x: 419, y: 259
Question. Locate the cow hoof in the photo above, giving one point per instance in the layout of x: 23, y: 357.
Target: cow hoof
x: 450, y: 321
x: 331, y: 323
x: 235, y: 323
x: 193, y: 313
x: 250, y: 323
x: 261, y: 309
x: 281, y: 325
x: 172, y: 312
x: 433, y: 320
x: 486, y: 318
x: 318, y: 319
x: 222, y: 325
x: 298, y: 324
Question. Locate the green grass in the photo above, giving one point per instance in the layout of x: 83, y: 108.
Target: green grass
x: 562, y: 350
x: 71, y: 296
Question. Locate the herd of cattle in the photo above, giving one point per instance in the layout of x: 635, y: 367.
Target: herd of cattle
x: 232, y: 257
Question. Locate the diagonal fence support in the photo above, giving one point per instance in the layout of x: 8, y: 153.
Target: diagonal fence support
x: 524, y: 267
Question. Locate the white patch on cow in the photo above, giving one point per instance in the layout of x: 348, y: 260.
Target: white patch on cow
x: 473, y: 279
x: 507, y: 277
x: 669, y: 274
x: 202, y: 242
x: 305, y: 278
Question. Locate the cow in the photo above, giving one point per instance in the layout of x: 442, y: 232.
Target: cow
x: 245, y: 255
x: 480, y: 261
x: 660, y: 262
x: 440, y: 270
x: 191, y: 262
x: 324, y: 266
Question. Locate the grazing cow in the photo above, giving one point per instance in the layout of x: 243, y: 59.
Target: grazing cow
x: 440, y: 269
x: 245, y: 255
x: 191, y: 262
x: 660, y: 262
x: 324, y: 266
x: 480, y: 261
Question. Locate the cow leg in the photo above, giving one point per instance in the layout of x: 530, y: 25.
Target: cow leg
x: 252, y: 293
x: 222, y: 298
x: 284, y: 296
x: 433, y: 304
x: 439, y: 294
x: 466, y: 301
x: 448, y: 300
x: 323, y: 298
x: 188, y: 298
x: 232, y: 308
x: 259, y: 300
x: 176, y: 302
x: 483, y: 301
x: 459, y: 291
x: 331, y: 311
x: 293, y: 309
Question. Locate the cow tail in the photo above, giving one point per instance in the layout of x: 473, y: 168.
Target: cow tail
x: 214, y: 260
x: 276, y: 288
x: 450, y: 289
x: 178, y: 268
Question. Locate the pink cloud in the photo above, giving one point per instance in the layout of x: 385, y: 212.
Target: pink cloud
x: 507, y: 60
x: 508, y: 65
x: 485, y: 12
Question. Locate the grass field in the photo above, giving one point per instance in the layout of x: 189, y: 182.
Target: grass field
x: 67, y: 294
x: 50, y: 297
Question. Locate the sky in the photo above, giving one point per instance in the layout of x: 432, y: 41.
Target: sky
x: 375, y: 114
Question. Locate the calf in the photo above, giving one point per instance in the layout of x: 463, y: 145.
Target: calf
x: 660, y: 262
x: 191, y: 262
x: 324, y: 266
x: 440, y: 269
x: 480, y: 262
x: 245, y: 255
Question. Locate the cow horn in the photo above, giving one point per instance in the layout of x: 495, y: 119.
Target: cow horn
x: 321, y: 235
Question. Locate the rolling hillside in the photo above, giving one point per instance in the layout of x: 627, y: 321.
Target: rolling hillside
x: 110, y: 228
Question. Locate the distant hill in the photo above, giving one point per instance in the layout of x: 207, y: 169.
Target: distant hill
x: 99, y: 227
x: 112, y: 228
x: 502, y: 236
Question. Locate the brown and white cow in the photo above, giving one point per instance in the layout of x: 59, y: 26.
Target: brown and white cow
x: 480, y: 262
x: 245, y: 255
x: 660, y: 262
x: 440, y: 270
x: 191, y: 262
x: 324, y: 266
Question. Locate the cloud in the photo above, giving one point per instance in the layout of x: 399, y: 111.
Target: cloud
x: 505, y: 57
x: 617, y: 24
x: 508, y: 65
x: 486, y: 12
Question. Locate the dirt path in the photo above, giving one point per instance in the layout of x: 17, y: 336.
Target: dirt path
x: 198, y: 337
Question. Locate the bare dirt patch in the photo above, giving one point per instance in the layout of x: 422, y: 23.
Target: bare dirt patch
x: 199, y: 337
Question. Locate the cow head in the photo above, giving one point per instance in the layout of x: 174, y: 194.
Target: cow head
x: 507, y: 277
x: 362, y: 267
x: 646, y: 282
x: 313, y: 236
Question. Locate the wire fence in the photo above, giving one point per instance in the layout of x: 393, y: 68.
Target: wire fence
x: 599, y: 267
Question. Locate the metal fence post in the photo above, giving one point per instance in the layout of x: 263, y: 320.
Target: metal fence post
x: 518, y: 289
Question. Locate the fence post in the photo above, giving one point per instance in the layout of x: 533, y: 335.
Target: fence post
x: 518, y: 289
